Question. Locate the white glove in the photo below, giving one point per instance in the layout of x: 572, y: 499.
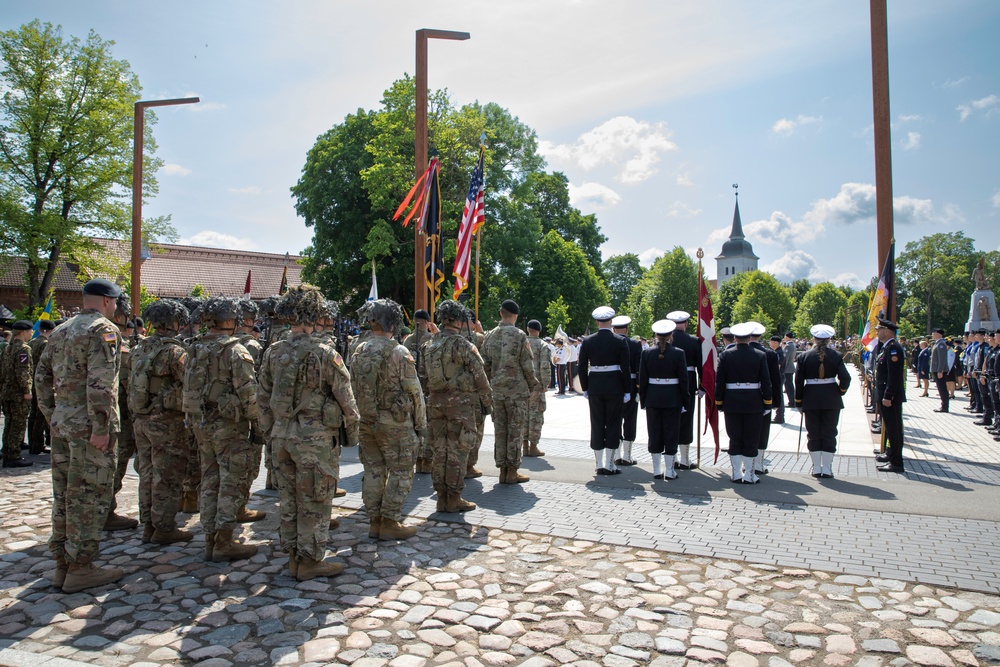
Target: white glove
x: 585, y: 394
x: 626, y: 398
x: 701, y: 393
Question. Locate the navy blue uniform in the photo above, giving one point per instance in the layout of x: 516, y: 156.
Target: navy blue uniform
x: 742, y: 393
x: 821, y: 380
x: 663, y: 392
x: 630, y: 410
x: 890, y: 385
x: 606, y: 376
x: 692, y: 354
x: 774, y: 372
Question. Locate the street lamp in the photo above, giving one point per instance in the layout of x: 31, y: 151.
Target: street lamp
x: 137, y: 137
x: 420, y: 152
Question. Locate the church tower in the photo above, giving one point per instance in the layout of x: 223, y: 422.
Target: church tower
x: 737, y: 253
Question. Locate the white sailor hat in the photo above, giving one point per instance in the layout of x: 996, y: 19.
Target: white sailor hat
x: 822, y: 331
x: 758, y: 328
x: 621, y: 321
x: 742, y: 330
x: 663, y: 327
x: 678, y: 316
x: 603, y: 314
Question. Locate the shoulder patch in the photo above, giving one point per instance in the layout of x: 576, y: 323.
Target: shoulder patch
x: 337, y: 359
x: 24, y: 357
x: 184, y: 356
x: 110, y: 337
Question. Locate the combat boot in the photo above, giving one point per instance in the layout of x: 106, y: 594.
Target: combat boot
x: 524, y: 448
x: 249, y: 516
x: 473, y: 472
x: 170, y: 536
x: 80, y: 576
x: 189, y: 502
x: 394, y: 530
x: 334, y: 523
x: 455, y: 503
x: 209, y: 545
x: 423, y: 466
x: 514, y: 477
x: 147, y: 533
x: 442, y: 500
x: 226, y: 548
x: 503, y: 475
x: 119, y: 522
x: 293, y: 562
x: 533, y: 450
x: 376, y: 525
x: 59, y: 574
x: 310, y: 569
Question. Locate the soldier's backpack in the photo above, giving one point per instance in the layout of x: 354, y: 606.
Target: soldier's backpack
x: 204, y: 384
x: 367, y: 374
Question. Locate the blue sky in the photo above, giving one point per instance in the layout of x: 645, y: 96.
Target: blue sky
x: 652, y: 109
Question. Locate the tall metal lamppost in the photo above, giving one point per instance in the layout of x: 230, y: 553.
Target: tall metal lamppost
x: 137, y: 141
x: 420, y: 152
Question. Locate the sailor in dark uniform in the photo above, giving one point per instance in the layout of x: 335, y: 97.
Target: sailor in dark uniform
x: 821, y: 379
x: 742, y: 393
x: 728, y: 339
x: 664, y: 395
x: 891, y: 387
x: 630, y: 411
x: 605, y: 378
x: 692, y: 353
x: 774, y: 371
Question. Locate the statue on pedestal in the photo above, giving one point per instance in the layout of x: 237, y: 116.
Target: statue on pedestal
x: 984, y: 308
x: 979, y: 275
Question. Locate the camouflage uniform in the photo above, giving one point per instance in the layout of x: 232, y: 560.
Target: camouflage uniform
x: 536, y: 401
x: 413, y: 343
x: 391, y: 404
x: 509, y: 365
x: 163, y: 447
x: 476, y: 339
x: 256, y: 438
x: 38, y: 429
x: 77, y: 387
x: 457, y: 390
x: 15, y: 374
x: 125, y: 443
x: 304, y: 393
x: 220, y: 413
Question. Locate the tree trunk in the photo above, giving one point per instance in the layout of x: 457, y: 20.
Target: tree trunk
x: 930, y: 319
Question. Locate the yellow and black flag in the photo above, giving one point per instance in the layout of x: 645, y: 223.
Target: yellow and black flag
x: 431, y: 223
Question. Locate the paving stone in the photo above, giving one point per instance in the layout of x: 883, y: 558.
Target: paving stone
x: 930, y: 656
x: 880, y: 646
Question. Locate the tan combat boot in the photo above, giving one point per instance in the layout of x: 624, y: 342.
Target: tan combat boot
x: 209, y: 545
x: 81, y: 576
x: 119, y: 522
x: 170, y: 536
x: 59, y: 574
x: 226, y: 548
x: 310, y: 569
x: 473, y: 472
x: 524, y: 448
x: 394, y: 530
x: 503, y: 475
x: 339, y: 492
x: 334, y: 523
x: 514, y: 477
x: 457, y: 504
x: 532, y: 450
x: 147, y: 533
x: 293, y: 562
x: 249, y: 516
x: 375, y: 527
x: 189, y: 502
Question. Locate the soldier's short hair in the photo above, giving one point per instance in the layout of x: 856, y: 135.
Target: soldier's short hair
x: 452, y: 310
x: 166, y: 314
x: 386, y: 313
x: 219, y: 309
x: 248, y: 309
x: 302, y: 304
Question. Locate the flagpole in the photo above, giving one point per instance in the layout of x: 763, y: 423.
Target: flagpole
x: 479, y: 233
x: 697, y: 449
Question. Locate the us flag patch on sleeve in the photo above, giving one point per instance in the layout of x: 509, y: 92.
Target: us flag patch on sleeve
x: 110, y: 337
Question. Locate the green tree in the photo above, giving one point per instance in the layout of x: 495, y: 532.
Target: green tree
x: 557, y: 315
x: 66, y: 122
x: 622, y: 273
x: 725, y: 301
x: 822, y: 304
x: 855, y: 312
x: 763, y: 296
x: 198, y: 291
x: 670, y: 284
x: 798, y: 288
x: 934, y: 281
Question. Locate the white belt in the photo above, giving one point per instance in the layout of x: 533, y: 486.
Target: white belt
x: 634, y: 376
x: 822, y: 381
x: 692, y: 369
x: 605, y: 369
x: 664, y: 381
x: 743, y: 385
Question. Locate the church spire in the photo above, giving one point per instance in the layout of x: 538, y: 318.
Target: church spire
x: 737, y: 233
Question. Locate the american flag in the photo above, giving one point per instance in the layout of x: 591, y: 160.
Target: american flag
x: 473, y: 217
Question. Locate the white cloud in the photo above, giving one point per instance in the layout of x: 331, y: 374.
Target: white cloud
x: 787, y: 127
x: 248, y: 190
x: 849, y: 279
x: 633, y: 146
x: 912, y: 141
x: 982, y: 104
x: 856, y: 203
x: 684, y: 180
x: 593, y: 196
x: 781, y: 230
x: 175, y: 170
x: 910, y: 118
x: 954, y: 83
x: 996, y: 199
x: 793, y: 265
x: 681, y: 210
x: 650, y: 255
x: 212, y: 239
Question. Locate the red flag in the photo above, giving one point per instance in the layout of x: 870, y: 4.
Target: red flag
x: 473, y: 217
x: 246, y: 290
x: 709, y: 355
x: 420, y: 189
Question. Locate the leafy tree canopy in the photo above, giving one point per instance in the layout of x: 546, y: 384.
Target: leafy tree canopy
x: 670, y: 284
x: 822, y: 304
x: 763, y: 296
x: 934, y: 281
x: 622, y: 273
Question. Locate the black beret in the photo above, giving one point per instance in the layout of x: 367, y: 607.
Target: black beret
x: 534, y: 325
x: 789, y: 334
x: 102, y: 287
x: 22, y: 325
x: 130, y: 324
x: 511, y: 307
x: 776, y: 338
x: 46, y: 325
x: 887, y: 324
x: 938, y: 331
x: 139, y: 322
x: 422, y: 315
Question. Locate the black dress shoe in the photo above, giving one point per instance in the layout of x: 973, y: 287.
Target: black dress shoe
x: 940, y: 410
x: 660, y: 476
x: 882, y: 458
x: 824, y: 475
x: 738, y: 480
x: 890, y: 468
x: 817, y: 475
x: 681, y: 466
x: 982, y: 423
x: 693, y: 466
x: 616, y: 471
x: 761, y: 472
x: 777, y: 421
x: 24, y: 446
x: 603, y: 471
x: 17, y: 463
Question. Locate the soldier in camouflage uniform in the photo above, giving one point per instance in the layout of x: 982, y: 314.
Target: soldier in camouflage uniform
x: 219, y: 403
x: 413, y: 343
x: 457, y: 389
x: 536, y: 401
x: 325, y: 331
x: 244, y: 332
x: 510, y: 367
x: 304, y: 393
x: 125, y: 441
x: 391, y: 404
x: 38, y: 428
x: 163, y: 448
x: 77, y: 386
x: 16, y: 370
x: 189, y: 333
x: 472, y: 331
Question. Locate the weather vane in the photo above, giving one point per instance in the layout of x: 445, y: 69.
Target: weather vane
x: 736, y: 187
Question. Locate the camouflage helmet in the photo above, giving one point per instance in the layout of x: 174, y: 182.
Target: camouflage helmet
x: 219, y: 309
x: 193, y: 305
x: 302, y: 304
x: 332, y: 309
x: 386, y: 313
x: 451, y: 310
x: 123, y: 306
x: 248, y: 309
x: 267, y: 305
x: 166, y: 314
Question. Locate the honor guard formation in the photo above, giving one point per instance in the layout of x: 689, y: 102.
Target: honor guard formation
x: 200, y: 403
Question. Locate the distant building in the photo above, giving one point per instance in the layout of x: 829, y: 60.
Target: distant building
x: 737, y: 253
